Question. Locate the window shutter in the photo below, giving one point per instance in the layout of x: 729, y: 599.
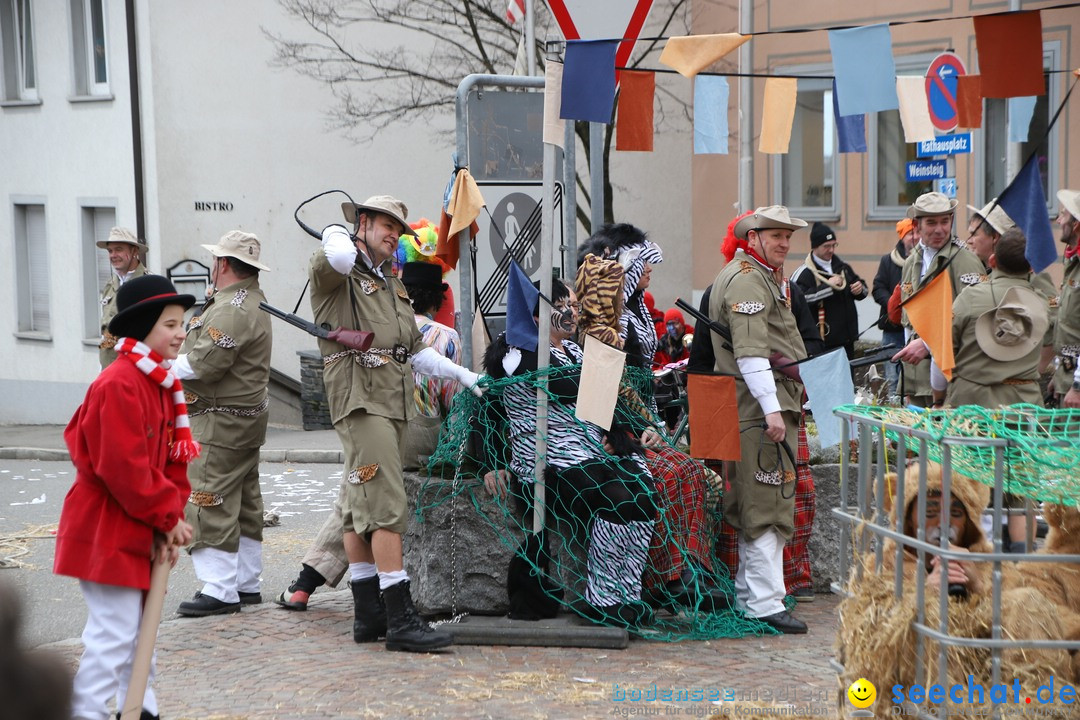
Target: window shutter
x: 38, y: 261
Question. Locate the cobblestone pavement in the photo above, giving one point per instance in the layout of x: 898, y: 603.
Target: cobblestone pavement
x: 267, y: 662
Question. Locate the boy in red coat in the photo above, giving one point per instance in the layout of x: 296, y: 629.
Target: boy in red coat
x: 130, y: 443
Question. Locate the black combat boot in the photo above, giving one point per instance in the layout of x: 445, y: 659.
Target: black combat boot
x: 369, y: 613
x: 405, y: 628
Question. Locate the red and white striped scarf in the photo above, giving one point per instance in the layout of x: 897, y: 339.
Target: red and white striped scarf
x: 183, y: 448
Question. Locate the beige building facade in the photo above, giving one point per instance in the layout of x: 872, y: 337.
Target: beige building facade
x: 861, y: 196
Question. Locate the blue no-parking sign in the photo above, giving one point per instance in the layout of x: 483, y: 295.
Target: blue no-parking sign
x: 941, y: 90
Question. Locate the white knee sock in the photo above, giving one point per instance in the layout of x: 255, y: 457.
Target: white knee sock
x: 386, y: 579
x: 362, y: 571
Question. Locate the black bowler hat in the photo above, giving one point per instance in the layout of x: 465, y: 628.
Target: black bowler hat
x: 820, y: 234
x: 140, y: 301
x: 423, y: 275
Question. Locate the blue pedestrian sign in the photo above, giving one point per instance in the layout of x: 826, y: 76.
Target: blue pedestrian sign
x: 923, y: 170
x: 946, y: 186
x: 957, y: 144
x: 941, y: 86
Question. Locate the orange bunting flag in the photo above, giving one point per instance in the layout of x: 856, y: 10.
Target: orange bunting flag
x: 930, y: 312
x: 1010, y: 54
x: 778, y: 115
x: 969, y: 101
x: 691, y: 54
x: 713, y: 407
x: 634, y: 121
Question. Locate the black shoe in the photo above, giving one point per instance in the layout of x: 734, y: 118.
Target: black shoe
x: 690, y: 587
x: 250, y: 598
x: 631, y: 615
x: 144, y: 715
x: 405, y: 629
x: 204, y: 605
x: 369, y: 612
x: 785, y: 623
x: 803, y: 595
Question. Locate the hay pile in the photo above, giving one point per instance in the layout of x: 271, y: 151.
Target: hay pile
x: 876, y: 640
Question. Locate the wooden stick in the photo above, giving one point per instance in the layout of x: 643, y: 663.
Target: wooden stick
x: 144, y: 646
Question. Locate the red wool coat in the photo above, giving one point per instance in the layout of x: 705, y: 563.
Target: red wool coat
x: 125, y: 485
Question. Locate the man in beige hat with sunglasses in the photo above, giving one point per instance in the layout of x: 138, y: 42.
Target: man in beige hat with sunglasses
x: 751, y: 298
x: 125, y: 256
x: 371, y: 395
x: 1067, y: 332
x: 937, y: 251
x: 225, y: 367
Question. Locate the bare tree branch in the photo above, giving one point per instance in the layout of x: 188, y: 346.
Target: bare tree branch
x: 388, y: 62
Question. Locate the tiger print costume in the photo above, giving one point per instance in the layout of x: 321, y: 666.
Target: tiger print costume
x: 599, y: 287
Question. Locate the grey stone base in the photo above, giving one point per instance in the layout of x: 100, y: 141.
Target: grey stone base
x: 562, y: 631
x: 458, y: 560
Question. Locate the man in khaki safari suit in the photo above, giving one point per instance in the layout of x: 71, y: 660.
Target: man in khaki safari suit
x: 371, y: 401
x: 937, y: 251
x: 998, y: 332
x: 124, y: 256
x: 751, y: 298
x: 225, y: 367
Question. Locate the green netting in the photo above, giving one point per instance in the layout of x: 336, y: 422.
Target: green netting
x: 1041, y: 455
x: 607, y: 522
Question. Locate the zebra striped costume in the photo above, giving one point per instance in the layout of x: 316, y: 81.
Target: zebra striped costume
x: 621, y: 526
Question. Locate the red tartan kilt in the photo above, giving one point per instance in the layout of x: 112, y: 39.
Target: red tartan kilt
x: 680, y: 529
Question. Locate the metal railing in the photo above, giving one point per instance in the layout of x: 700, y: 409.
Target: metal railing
x: 866, y: 526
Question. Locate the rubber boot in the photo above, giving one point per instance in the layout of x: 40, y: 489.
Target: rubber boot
x: 369, y: 613
x: 405, y: 628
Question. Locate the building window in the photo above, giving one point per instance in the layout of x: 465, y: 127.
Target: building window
x: 890, y: 193
x: 90, y: 48
x: 17, y: 45
x: 995, y: 137
x: 31, y: 271
x: 96, y: 223
x: 806, y: 174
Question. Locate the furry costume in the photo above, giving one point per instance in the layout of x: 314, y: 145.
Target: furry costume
x: 876, y: 640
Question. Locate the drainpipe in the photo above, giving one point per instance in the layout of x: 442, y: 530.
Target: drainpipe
x: 136, y: 121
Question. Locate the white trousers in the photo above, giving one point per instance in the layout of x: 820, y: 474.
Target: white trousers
x: 112, y: 627
x: 224, y: 573
x: 759, y: 583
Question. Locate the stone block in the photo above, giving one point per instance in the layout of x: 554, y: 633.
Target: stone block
x: 458, y: 558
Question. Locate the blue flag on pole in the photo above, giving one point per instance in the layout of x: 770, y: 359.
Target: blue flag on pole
x: 1025, y: 202
x: 850, y: 129
x: 588, y: 86
x: 521, y: 329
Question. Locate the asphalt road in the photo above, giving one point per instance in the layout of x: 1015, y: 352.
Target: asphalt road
x: 31, y: 496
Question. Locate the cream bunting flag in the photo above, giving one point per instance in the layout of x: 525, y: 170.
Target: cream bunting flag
x: 691, y: 54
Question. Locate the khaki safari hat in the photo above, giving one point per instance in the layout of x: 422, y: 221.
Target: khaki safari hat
x: 995, y: 218
x: 385, y: 204
x: 121, y: 235
x: 1015, y: 327
x: 240, y: 245
x: 932, y: 203
x: 1070, y: 200
x: 765, y: 218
